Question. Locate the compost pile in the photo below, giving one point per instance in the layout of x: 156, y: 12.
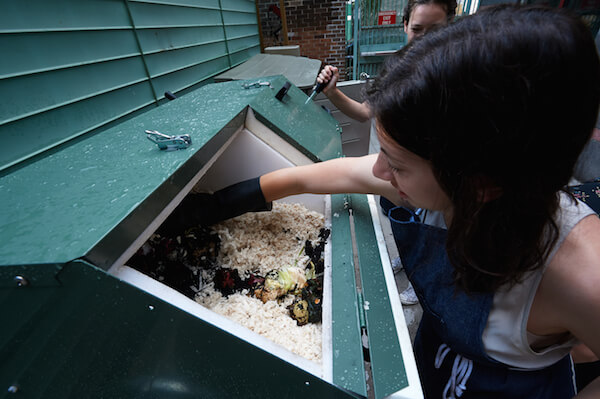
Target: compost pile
x: 263, y: 270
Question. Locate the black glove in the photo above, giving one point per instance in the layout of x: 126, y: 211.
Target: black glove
x: 207, y: 209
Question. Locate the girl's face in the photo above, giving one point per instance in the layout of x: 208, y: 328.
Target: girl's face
x: 424, y: 17
x: 410, y: 174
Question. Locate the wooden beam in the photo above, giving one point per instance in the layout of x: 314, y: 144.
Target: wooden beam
x: 283, y: 22
x: 260, y: 32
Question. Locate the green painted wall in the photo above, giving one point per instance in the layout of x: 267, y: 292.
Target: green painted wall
x: 70, y: 67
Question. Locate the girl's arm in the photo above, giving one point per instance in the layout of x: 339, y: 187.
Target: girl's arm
x: 355, y: 110
x: 336, y: 176
x: 342, y: 175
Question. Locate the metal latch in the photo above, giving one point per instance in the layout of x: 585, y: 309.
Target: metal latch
x: 256, y: 85
x: 169, y: 143
x: 283, y: 91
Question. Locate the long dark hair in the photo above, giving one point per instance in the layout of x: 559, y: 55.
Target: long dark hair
x: 506, y: 98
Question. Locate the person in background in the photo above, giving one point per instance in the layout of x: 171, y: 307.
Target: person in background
x: 418, y: 17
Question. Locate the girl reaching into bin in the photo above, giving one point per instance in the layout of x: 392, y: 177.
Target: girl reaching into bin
x: 516, y: 284
x: 468, y: 125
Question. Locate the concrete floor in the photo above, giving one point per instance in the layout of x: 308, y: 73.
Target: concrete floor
x: 412, y: 313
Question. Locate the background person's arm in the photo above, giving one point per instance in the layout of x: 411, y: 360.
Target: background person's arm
x: 354, y: 109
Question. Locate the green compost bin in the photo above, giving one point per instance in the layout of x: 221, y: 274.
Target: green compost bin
x: 73, y: 329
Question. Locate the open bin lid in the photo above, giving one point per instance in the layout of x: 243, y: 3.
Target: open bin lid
x: 69, y: 214
x: 65, y: 204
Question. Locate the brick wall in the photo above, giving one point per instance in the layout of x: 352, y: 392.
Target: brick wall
x: 317, y: 26
x: 270, y: 22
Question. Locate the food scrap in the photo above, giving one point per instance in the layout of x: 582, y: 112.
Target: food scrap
x: 262, y: 270
x: 177, y: 262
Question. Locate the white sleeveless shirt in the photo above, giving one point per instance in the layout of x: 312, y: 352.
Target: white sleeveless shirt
x: 505, y: 337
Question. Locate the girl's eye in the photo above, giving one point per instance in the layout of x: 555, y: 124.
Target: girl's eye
x: 392, y: 169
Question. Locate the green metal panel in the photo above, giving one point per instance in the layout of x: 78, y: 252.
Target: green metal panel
x: 123, y: 72
x: 240, y: 56
x: 62, y: 15
x: 349, y: 22
x: 387, y: 364
x: 191, y: 56
x: 157, y: 40
x: 177, y: 81
x: 348, y: 364
x: 78, y: 65
x: 240, y: 24
x: 373, y: 38
x: 241, y: 43
x: 247, y: 6
x: 29, y: 51
x: 177, y: 60
x: 158, y: 14
x: 316, y: 134
x: 95, y: 336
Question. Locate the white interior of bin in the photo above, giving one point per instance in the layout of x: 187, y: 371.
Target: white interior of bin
x: 252, y: 151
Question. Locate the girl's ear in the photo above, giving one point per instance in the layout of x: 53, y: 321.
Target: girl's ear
x: 487, y: 190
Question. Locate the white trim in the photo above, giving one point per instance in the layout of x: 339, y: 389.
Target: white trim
x: 167, y: 294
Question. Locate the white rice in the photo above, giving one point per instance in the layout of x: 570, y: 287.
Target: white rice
x: 259, y: 243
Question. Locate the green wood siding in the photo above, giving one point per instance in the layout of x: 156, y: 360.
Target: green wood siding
x: 77, y: 65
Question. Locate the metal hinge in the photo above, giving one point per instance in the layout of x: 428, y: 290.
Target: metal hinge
x: 361, y: 310
x: 258, y: 84
x: 363, y: 306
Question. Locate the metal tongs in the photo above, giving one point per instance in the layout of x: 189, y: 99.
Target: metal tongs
x: 169, y: 143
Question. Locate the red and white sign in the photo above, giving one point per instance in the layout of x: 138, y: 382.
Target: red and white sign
x: 387, y: 18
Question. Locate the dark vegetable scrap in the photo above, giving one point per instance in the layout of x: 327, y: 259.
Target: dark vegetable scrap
x: 307, y: 307
x: 227, y: 281
x: 299, y: 311
x: 316, y: 253
x: 176, y: 261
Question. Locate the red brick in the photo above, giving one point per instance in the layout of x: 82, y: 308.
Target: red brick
x: 318, y: 27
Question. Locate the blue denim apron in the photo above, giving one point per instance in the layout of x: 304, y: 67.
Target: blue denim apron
x: 448, y: 346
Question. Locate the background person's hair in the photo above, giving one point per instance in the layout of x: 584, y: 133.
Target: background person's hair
x: 449, y: 6
x: 507, y: 97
